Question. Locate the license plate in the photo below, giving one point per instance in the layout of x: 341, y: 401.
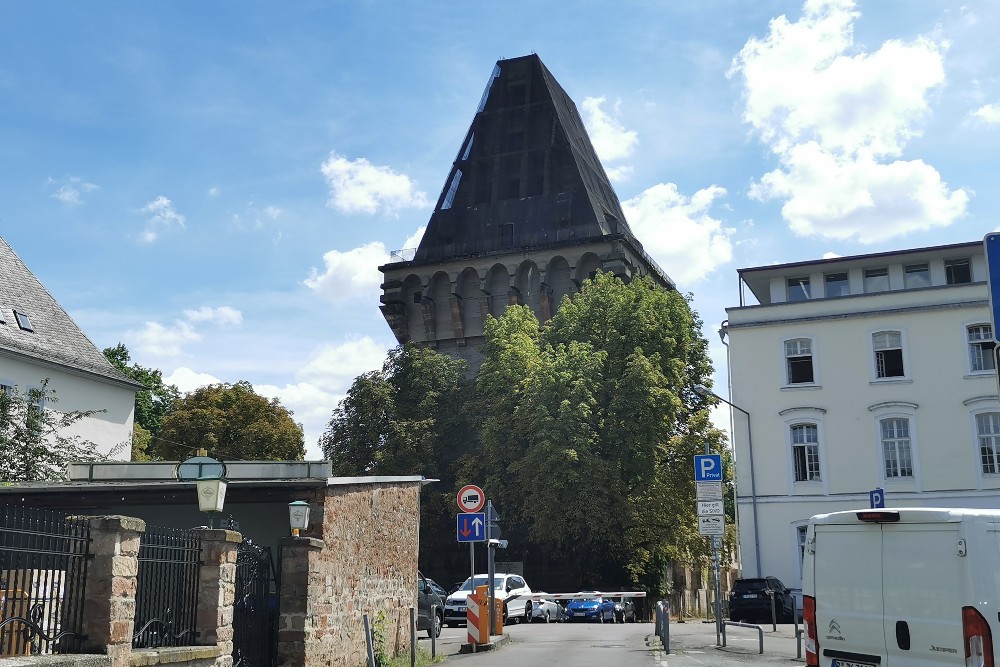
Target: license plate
x: 850, y: 663
x: 579, y: 613
x: 749, y: 595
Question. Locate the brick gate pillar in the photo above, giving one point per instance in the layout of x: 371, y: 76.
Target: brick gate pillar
x: 217, y: 590
x: 109, y: 606
x: 293, y: 633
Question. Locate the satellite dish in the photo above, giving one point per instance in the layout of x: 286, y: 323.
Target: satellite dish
x: 199, y: 467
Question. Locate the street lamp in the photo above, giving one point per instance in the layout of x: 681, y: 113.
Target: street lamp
x: 706, y: 392
x: 298, y: 516
x: 211, y: 496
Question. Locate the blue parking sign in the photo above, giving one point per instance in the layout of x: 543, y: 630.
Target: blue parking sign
x: 708, y: 468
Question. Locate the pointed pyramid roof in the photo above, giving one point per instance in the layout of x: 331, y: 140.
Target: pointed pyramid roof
x: 48, y: 336
x: 526, y: 175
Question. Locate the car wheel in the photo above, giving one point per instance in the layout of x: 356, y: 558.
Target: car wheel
x: 527, y: 612
x: 505, y: 617
x: 435, y: 629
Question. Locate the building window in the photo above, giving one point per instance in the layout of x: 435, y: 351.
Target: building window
x: 957, y: 271
x: 988, y: 433
x: 798, y: 288
x: 981, y: 346
x: 836, y: 284
x: 805, y: 452
x: 916, y: 275
x: 22, y: 320
x: 876, y: 280
x: 799, y: 361
x: 888, y: 354
x: 896, y: 454
x: 506, y: 236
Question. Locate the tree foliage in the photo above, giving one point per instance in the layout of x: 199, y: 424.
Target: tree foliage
x: 34, y: 444
x: 151, y: 405
x: 232, y: 422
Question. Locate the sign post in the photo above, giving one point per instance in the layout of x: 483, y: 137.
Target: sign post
x: 711, y: 515
x: 470, y: 500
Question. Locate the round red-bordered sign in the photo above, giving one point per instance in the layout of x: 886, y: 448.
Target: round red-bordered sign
x: 471, y: 498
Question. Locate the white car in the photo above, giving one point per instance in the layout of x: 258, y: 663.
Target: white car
x: 505, y: 586
x: 547, y: 611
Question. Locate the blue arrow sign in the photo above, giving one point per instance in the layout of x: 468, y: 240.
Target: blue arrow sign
x: 991, y: 246
x: 471, y: 527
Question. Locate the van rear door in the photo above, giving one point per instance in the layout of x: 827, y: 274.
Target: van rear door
x: 848, y: 570
x: 922, y: 593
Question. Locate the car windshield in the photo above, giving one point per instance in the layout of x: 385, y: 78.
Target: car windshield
x: 480, y: 580
x: 750, y: 584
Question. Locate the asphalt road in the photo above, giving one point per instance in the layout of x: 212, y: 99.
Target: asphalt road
x: 692, y: 644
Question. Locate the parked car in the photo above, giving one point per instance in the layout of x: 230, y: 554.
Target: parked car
x: 750, y: 599
x: 625, y: 610
x: 591, y: 609
x: 505, y: 586
x: 437, y: 589
x: 426, y: 597
x: 547, y: 611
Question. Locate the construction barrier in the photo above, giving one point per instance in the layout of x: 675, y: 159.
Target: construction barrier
x: 477, y: 616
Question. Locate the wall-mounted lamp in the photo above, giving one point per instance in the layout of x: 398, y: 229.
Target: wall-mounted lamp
x: 298, y: 516
x: 211, y: 496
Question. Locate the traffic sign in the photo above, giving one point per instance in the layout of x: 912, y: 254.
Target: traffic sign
x: 712, y: 525
x: 471, y: 498
x: 709, y: 490
x: 710, y: 508
x: 708, y: 468
x: 877, y: 498
x: 471, y: 527
x: 991, y: 246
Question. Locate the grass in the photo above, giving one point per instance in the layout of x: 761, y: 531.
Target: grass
x: 423, y: 659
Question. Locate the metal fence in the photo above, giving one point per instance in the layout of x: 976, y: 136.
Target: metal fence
x: 43, y: 573
x: 166, y: 600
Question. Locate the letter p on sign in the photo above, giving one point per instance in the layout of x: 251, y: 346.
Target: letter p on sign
x: 708, y: 468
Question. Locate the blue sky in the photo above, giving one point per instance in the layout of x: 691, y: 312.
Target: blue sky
x: 214, y: 184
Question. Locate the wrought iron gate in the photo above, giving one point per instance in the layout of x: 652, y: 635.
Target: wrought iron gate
x: 255, y: 613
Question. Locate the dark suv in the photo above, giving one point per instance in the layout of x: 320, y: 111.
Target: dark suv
x: 426, y: 598
x: 750, y: 600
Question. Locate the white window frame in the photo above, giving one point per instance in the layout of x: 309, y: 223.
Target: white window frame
x: 995, y: 436
x: 897, y: 410
x: 871, y: 289
x: 904, y: 353
x: 801, y: 416
x: 801, y: 283
x: 901, y: 446
x: 977, y: 351
x: 785, y: 357
x: 923, y: 269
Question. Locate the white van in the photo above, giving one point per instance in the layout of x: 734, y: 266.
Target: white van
x: 892, y: 587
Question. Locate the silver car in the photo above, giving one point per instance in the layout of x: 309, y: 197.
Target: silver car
x: 547, y: 611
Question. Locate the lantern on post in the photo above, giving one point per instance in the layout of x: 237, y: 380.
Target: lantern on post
x: 211, y: 496
x: 298, y: 516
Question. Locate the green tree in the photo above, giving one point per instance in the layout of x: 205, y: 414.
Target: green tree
x: 33, y: 441
x: 232, y: 422
x: 590, y: 422
x: 151, y: 405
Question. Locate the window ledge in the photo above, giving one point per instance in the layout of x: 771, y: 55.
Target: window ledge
x: 900, y: 380
x: 805, y: 386
x: 980, y: 374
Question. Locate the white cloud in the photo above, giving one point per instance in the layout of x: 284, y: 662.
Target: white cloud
x: 837, y: 118
x: 611, y: 140
x: 414, y: 240
x: 358, y: 186
x: 679, y: 232
x: 349, y: 275
x: 71, y: 190
x: 169, y: 341
x: 988, y: 113
x: 254, y: 218
x: 188, y: 380
x: 213, y: 191
x: 324, y: 381
x: 831, y: 255
x: 161, y: 217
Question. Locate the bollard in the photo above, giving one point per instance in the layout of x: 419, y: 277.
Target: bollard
x: 413, y: 637
x: 774, y: 615
x: 760, y: 632
x: 662, y: 620
x: 434, y: 609
x: 368, y: 641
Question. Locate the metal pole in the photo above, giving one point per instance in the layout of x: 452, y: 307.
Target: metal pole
x: 718, y: 603
x: 434, y: 630
x: 413, y: 634
x: 369, y: 645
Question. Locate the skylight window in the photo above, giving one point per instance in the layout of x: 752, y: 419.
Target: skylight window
x: 23, y: 321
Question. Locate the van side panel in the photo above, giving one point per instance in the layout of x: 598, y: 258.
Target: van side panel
x: 922, y: 593
x: 847, y: 580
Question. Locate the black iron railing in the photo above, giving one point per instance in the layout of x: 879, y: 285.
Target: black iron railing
x: 166, y: 601
x: 255, y: 610
x: 43, y: 573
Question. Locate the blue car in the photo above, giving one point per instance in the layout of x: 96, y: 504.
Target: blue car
x: 589, y: 609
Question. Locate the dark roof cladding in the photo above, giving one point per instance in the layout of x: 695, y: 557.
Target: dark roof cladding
x: 54, y: 338
x: 527, y: 167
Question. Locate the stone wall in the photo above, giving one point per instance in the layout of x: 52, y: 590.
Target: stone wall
x: 358, y: 557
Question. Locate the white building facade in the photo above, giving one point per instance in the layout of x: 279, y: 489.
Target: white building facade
x: 855, y: 374
x: 39, y: 342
